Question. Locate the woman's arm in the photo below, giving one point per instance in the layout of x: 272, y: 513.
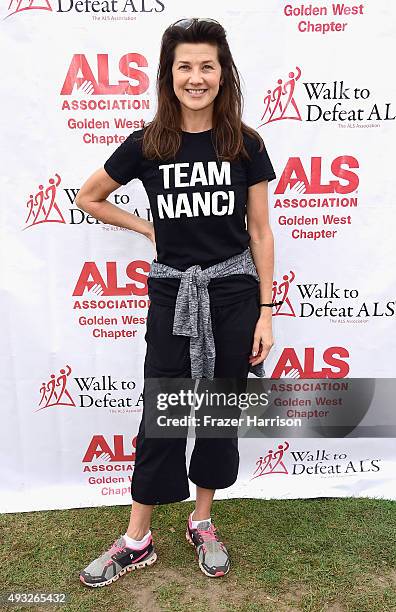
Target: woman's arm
x: 92, y: 199
x: 262, y: 248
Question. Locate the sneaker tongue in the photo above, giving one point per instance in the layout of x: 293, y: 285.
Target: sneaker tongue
x: 204, y: 525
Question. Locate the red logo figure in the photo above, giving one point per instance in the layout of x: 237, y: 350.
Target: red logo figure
x: 42, y: 206
x: 27, y: 5
x: 277, y: 102
x: 279, y: 293
x: 51, y: 395
x: 272, y: 463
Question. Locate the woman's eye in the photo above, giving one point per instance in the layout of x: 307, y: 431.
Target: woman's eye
x: 185, y: 66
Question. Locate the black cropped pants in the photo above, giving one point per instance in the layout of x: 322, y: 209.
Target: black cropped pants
x: 160, y: 474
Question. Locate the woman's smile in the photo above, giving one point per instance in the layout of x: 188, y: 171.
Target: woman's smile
x: 196, y: 93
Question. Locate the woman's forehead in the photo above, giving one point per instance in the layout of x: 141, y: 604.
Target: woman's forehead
x: 195, y: 52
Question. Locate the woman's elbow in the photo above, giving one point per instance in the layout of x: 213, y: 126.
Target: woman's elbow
x: 259, y: 235
x: 83, y: 202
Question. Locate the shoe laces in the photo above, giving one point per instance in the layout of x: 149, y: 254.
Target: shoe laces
x: 208, y: 534
x: 114, y: 548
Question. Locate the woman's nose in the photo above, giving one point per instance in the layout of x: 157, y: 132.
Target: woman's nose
x: 195, y: 77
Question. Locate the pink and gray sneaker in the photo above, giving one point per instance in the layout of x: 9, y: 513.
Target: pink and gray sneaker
x: 211, y: 553
x: 116, y: 561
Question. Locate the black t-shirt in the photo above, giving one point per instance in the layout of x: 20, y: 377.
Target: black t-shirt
x: 198, y: 206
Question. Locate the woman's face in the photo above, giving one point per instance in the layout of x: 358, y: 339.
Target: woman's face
x: 196, y: 74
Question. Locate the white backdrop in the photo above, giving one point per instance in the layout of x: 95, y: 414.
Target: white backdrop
x: 80, y: 76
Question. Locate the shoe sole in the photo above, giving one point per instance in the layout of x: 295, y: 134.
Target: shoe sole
x: 217, y: 574
x: 128, y: 568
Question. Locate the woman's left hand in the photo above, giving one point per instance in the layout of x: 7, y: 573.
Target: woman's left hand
x: 262, y: 341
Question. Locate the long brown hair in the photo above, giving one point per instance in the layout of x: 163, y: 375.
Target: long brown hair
x: 162, y: 136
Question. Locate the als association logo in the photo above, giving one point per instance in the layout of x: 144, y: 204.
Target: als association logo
x: 280, y: 293
x: 109, y: 284
x: 42, y: 205
x: 310, y: 179
x: 126, y: 7
x: 46, y: 205
x: 279, y: 103
x: 88, y: 87
x: 328, y: 102
x: 80, y: 72
x: 272, y: 462
x: 18, y: 6
x: 114, y: 452
x: 318, y: 191
x: 117, y: 396
x: 105, y: 456
x: 331, y: 364
x: 326, y: 300
x: 54, y: 391
x: 106, y: 293
x: 319, y: 462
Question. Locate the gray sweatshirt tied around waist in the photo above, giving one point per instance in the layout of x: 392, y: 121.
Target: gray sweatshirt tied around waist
x: 192, y: 311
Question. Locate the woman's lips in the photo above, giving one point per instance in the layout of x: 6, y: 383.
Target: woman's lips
x: 196, y: 93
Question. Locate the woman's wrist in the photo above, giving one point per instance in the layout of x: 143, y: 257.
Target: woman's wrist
x: 148, y: 230
x: 265, y: 313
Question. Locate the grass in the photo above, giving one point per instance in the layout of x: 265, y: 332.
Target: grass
x: 325, y: 554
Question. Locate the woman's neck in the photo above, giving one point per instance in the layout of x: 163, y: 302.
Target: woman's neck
x: 196, y: 128
x: 191, y: 123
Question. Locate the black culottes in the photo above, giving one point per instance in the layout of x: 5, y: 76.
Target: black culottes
x: 160, y: 473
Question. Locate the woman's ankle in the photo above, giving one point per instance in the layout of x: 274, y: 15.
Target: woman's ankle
x: 137, y: 533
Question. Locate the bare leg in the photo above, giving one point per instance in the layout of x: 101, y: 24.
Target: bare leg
x: 140, y: 520
x: 203, y: 503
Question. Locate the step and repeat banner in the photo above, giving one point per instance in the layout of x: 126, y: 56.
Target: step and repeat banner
x: 78, y: 77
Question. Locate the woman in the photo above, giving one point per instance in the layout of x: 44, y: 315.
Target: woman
x: 204, y: 170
